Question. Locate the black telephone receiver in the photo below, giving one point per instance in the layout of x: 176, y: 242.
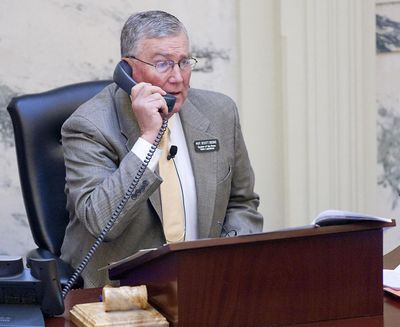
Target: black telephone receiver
x: 123, y: 78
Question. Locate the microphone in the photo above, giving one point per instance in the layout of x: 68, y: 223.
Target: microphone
x: 173, y: 150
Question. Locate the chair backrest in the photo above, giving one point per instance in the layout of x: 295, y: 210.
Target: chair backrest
x: 37, y: 121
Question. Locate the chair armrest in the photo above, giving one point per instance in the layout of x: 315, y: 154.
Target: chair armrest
x: 65, y: 270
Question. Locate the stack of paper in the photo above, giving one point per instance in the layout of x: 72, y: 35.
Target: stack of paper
x: 391, y: 280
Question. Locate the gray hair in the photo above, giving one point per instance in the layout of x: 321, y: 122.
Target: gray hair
x: 148, y: 25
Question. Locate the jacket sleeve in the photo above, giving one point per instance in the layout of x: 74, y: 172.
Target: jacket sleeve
x: 97, y: 179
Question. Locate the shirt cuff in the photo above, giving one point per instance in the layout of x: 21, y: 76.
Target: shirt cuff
x: 141, y: 149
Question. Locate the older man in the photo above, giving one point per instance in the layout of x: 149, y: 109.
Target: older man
x: 107, y: 139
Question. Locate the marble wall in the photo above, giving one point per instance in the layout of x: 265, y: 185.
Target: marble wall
x: 388, y: 109
x: 49, y: 43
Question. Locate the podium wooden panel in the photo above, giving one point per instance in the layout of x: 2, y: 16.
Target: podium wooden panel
x: 270, y: 279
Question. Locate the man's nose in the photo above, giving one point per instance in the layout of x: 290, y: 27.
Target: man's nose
x: 176, y: 73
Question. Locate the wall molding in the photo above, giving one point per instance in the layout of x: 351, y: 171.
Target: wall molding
x: 324, y: 64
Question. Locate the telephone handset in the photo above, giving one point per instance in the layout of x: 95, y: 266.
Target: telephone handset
x: 123, y: 78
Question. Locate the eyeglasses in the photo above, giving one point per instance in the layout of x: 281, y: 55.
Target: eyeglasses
x: 164, y: 66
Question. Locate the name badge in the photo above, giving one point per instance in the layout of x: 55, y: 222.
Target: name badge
x: 206, y: 145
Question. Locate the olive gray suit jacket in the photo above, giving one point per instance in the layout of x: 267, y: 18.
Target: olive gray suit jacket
x: 97, y: 140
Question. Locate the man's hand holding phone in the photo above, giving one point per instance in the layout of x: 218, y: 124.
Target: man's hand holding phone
x: 149, y: 108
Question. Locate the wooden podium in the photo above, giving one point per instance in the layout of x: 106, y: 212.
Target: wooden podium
x: 270, y: 279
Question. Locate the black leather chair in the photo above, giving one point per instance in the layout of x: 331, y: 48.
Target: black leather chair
x: 37, y: 120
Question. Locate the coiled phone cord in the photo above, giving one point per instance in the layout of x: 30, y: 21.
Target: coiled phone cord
x: 116, y: 212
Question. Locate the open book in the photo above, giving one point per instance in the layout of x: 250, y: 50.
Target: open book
x: 337, y: 217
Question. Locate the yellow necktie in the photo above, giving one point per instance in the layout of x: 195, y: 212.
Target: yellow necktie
x: 171, y: 195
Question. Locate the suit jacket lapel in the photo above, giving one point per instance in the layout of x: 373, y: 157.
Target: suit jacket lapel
x: 130, y: 129
x: 127, y: 122
x: 204, y: 165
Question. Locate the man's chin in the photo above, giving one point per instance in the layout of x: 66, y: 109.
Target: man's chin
x: 174, y: 111
x: 180, y: 99
x: 177, y: 106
